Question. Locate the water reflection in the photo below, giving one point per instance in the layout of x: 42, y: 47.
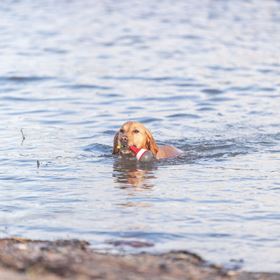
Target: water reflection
x: 130, y: 173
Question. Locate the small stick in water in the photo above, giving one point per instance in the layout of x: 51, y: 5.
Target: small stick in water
x: 23, y: 136
x: 38, y: 163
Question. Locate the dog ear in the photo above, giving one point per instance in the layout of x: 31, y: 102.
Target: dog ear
x: 116, y: 148
x: 150, y: 142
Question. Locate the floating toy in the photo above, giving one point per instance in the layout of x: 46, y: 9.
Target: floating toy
x: 142, y: 155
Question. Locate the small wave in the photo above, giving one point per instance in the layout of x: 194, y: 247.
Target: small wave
x: 97, y: 149
x: 150, y: 120
x: 55, y: 50
x: 208, y: 150
x: 191, y: 37
x: 153, y: 79
x: 85, y: 87
x: 240, y: 89
x: 184, y: 115
x: 25, y: 79
x: 222, y: 69
x: 212, y: 91
x: 188, y: 85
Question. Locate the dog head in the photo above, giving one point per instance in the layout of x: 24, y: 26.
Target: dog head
x: 133, y: 134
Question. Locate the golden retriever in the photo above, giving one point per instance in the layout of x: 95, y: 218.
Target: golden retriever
x: 136, y: 134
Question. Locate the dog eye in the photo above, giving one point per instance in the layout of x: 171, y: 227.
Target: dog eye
x: 136, y: 131
x: 121, y: 130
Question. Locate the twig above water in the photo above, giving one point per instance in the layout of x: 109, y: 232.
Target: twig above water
x: 23, y: 136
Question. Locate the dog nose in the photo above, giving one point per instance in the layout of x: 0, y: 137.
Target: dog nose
x: 124, y: 139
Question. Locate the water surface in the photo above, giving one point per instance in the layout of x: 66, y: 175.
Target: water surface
x: 201, y: 75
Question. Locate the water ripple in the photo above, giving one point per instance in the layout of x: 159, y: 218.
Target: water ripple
x: 173, y: 66
x: 25, y: 79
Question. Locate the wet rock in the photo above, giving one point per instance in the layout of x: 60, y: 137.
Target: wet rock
x: 22, y: 259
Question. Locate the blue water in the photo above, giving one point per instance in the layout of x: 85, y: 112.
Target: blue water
x: 201, y: 75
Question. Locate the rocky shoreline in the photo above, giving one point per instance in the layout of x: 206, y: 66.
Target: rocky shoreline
x: 22, y: 259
